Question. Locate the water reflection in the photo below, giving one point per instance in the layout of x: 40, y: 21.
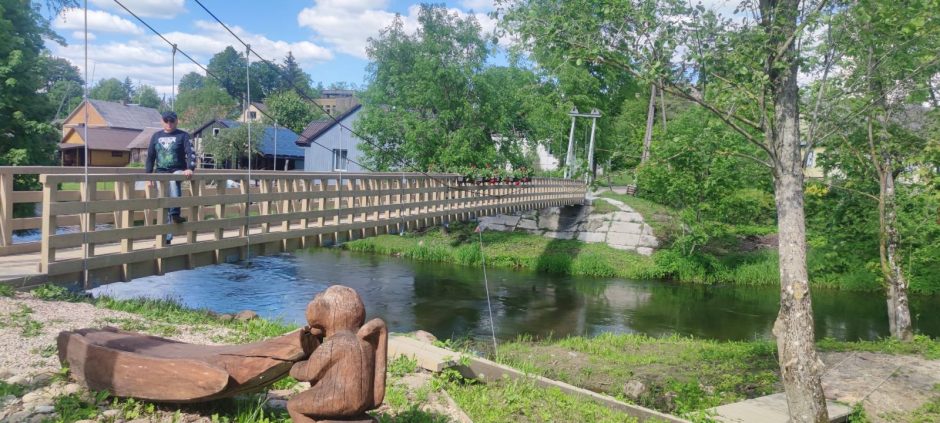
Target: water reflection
x: 450, y: 301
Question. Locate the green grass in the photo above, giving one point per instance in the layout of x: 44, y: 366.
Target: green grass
x: 75, y: 186
x: 21, y: 319
x: 11, y: 389
x: 922, y: 345
x: 603, y: 207
x: 6, y: 291
x: 513, y: 250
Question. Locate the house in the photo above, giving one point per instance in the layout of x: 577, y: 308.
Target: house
x: 111, y: 128
x: 139, y: 145
x: 278, y: 150
x: 329, y: 146
x: 255, y: 112
x: 337, y: 102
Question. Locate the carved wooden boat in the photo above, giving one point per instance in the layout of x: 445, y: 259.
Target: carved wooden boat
x: 129, y: 364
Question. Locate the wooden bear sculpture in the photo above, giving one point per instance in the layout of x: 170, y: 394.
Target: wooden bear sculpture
x: 347, y: 370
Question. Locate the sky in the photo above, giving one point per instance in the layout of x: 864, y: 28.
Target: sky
x: 327, y: 37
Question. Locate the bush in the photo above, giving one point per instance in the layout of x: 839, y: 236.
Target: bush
x: 747, y: 206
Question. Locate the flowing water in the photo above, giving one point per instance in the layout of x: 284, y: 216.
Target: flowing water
x: 450, y: 301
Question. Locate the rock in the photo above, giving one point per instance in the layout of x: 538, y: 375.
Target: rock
x: 527, y: 224
x: 33, y: 396
x: 41, y: 379
x: 226, y: 317
x: 425, y: 337
x: 277, y: 404
x: 7, y: 400
x: 110, y: 414
x: 646, y: 251
x: 72, y: 388
x: 20, y: 416
x: 84, y: 421
x: 44, y: 409
x: 140, y: 420
x: 5, y: 373
x: 246, y: 315
x: 634, y: 389
x: 20, y: 379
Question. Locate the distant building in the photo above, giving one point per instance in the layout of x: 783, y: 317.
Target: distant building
x: 329, y: 146
x: 140, y: 144
x: 111, y: 128
x: 278, y: 150
x: 337, y: 102
x: 255, y: 112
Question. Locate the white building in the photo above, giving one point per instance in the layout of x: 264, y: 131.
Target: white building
x: 329, y: 146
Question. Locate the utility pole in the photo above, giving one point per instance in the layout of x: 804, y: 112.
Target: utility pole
x: 591, y: 168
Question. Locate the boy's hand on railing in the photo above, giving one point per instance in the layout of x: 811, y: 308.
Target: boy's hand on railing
x: 188, y: 173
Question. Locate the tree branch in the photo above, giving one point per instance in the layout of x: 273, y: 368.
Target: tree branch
x: 782, y: 48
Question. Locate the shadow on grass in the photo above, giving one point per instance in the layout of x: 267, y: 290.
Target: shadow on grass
x: 559, y: 254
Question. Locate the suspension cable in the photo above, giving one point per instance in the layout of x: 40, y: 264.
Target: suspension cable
x: 248, y: 119
x: 85, y: 189
x: 307, y: 97
x: 173, y: 84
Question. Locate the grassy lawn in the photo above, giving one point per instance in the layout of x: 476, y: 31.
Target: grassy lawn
x: 514, y: 250
x: 664, y: 220
x: 75, y: 186
x: 681, y: 375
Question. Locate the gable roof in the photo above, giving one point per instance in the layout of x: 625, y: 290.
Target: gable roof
x: 142, y: 140
x: 285, y: 139
x: 319, y: 127
x: 119, y: 115
x: 117, y: 139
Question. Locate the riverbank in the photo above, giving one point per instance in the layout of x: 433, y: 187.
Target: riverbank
x: 673, y: 374
x: 33, y: 387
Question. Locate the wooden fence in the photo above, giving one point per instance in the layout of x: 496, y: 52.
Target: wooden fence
x: 117, y: 217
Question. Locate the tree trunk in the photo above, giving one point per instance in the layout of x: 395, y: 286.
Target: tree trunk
x: 662, y: 106
x: 650, y: 118
x: 899, y: 314
x: 800, y: 367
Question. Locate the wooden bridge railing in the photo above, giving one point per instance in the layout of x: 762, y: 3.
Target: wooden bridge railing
x: 224, y: 214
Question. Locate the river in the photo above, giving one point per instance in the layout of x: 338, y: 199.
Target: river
x: 450, y: 301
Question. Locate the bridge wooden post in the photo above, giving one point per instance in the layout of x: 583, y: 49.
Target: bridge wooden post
x: 6, y: 209
x: 50, y: 194
x: 161, y: 192
x: 123, y: 191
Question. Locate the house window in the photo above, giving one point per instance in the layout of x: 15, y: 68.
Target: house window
x: 215, y: 131
x: 117, y: 154
x: 339, y: 159
x: 252, y: 115
x: 811, y: 159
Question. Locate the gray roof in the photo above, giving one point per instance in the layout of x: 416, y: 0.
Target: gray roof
x: 119, y: 115
x: 115, y: 139
x: 142, y: 140
x: 319, y: 127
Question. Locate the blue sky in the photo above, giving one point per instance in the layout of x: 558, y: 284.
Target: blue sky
x: 328, y: 37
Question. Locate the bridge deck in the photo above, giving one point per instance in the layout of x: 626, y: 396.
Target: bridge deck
x: 231, y: 215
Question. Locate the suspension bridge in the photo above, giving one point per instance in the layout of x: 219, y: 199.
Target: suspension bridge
x: 107, y: 225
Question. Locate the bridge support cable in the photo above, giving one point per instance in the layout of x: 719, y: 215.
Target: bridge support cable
x: 306, y: 96
x: 248, y: 182
x: 86, y: 218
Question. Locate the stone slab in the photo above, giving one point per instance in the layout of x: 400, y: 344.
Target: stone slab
x: 770, y: 409
x: 627, y: 228
x: 527, y: 224
x: 592, y: 236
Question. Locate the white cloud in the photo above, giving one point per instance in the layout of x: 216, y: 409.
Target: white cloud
x: 99, y: 21
x: 275, y: 50
x: 80, y: 36
x: 164, y: 9
x: 348, y: 25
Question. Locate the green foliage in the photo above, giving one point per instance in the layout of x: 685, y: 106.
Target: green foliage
x: 6, y: 290
x: 28, y: 138
x: 199, y: 105
x: 191, y: 81
x: 229, y: 66
x: 231, y: 144
x: 52, y: 292
x: 11, y: 389
x: 72, y: 407
x: 921, y: 345
x: 290, y: 110
x: 146, y: 96
x: 111, y: 89
x: 402, y: 365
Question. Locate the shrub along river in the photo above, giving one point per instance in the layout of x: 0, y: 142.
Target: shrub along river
x: 450, y: 300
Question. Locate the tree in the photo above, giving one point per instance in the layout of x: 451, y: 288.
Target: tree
x: 265, y: 80
x: 191, y: 81
x: 147, y: 97
x: 27, y: 137
x: 747, y: 78
x: 229, y: 67
x: 886, y: 50
x: 421, y: 105
x: 295, y: 76
x: 291, y: 111
x: 57, y: 69
x: 198, y: 106
x: 231, y: 144
x: 110, y: 89
x: 129, y: 88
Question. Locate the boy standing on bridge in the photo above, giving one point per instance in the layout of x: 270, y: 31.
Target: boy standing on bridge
x: 171, y: 151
